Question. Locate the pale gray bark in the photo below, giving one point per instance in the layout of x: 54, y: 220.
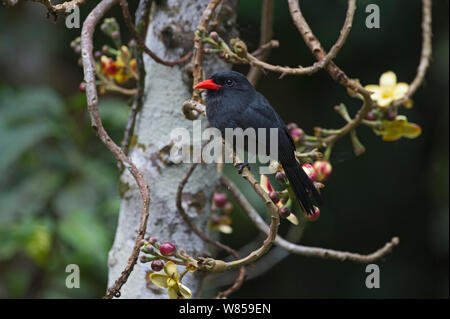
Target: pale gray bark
x: 166, y: 88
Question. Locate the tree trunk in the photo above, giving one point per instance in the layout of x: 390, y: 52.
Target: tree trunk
x: 170, y: 36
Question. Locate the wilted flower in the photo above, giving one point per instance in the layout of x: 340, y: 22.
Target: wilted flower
x: 170, y: 280
x: 400, y: 127
x: 388, y: 89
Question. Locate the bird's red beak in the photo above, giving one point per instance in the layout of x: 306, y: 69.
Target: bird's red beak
x: 208, y: 84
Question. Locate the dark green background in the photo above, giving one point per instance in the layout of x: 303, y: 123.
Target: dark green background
x: 58, y: 195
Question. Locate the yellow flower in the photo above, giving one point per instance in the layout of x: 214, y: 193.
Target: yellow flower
x: 400, y: 127
x: 170, y: 280
x: 115, y: 69
x: 388, y: 90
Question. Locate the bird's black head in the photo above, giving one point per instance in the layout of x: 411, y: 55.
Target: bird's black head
x: 224, y: 82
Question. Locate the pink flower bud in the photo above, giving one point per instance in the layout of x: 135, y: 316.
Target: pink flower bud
x: 315, y: 216
x: 296, y: 134
x: 391, y: 115
x: 220, y: 199
x: 167, y: 249
x: 323, y: 169
x: 157, y: 265
x: 310, y: 171
x: 371, y: 116
x: 274, y: 196
x: 82, y: 87
x: 285, y: 211
x: 281, y: 178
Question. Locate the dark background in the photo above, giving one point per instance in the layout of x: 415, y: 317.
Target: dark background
x: 58, y: 195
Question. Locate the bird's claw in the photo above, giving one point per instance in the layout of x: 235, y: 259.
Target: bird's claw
x: 241, y: 167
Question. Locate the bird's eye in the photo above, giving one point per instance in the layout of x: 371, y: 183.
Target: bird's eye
x: 229, y: 82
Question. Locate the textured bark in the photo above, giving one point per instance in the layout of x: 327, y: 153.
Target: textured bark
x: 170, y: 35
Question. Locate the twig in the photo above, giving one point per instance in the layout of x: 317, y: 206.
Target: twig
x: 141, y: 42
x: 59, y: 8
x: 316, y: 48
x: 425, y: 55
x: 92, y: 101
x: 266, y: 37
x: 273, y: 229
x: 305, y: 250
x: 240, y: 279
x: 314, y: 44
x: 142, y: 23
x: 197, y: 71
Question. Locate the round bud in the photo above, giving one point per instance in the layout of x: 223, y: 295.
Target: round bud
x: 285, y: 211
x: 323, y: 169
x: 220, y: 199
x: 297, y: 134
x: 97, y: 55
x: 167, y: 249
x: 228, y: 208
x: 157, y: 265
x: 371, y: 116
x: 214, y: 35
x: 281, y: 177
x: 274, y: 196
x: 310, y: 171
x: 82, y: 87
x: 115, y: 35
x: 152, y: 240
x: 391, y: 115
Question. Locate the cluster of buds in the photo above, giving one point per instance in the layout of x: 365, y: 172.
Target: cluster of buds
x: 115, y: 66
x: 384, y: 118
x: 220, y: 219
x: 280, y: 198
x: 319, y: 171
x: 165, y: 256
x: 236, y: 52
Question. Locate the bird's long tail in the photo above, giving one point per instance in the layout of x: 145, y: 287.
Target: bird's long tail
x: 303, y: 187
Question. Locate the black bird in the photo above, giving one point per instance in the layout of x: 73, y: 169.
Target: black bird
x: 232, y: 102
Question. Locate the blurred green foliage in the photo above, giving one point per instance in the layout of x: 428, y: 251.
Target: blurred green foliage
x: 58, y: 184
x: 58, y: 194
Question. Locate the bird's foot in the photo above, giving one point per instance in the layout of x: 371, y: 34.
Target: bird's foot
x: 241, y: 167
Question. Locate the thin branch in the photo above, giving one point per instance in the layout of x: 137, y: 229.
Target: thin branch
x: 316, y: 48
x: 59, y: 8
x: 92, y: 101
x: 141, y: 42
x: 240, y: 279
x: 425, y: 55
x: 305, y: 250
x: 324, y: 59
x: 142, y: 23
x: 266, y: 36
x: 197, y: 71
x: 273, y: 229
